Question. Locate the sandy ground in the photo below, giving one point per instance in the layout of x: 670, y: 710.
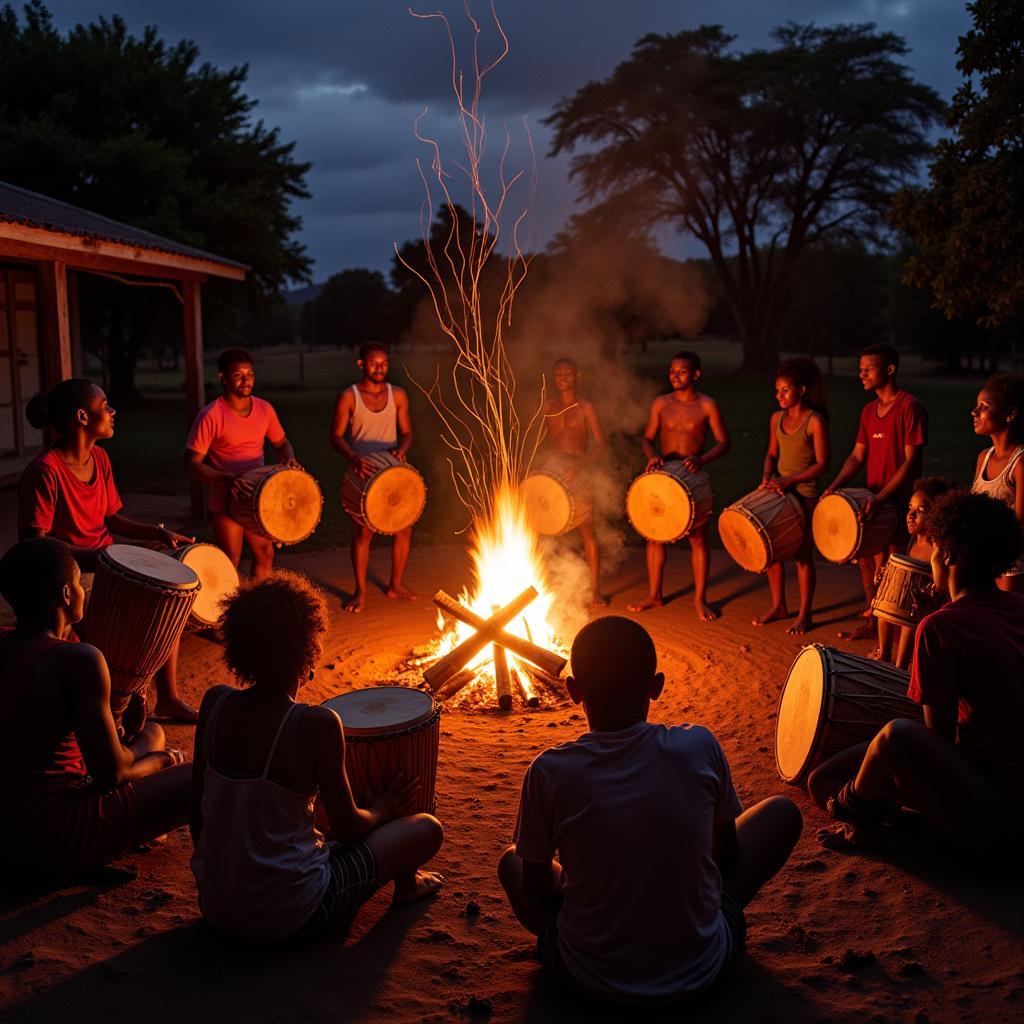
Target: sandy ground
x: 917, y: 935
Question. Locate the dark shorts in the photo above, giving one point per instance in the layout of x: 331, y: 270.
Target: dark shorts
x: 351, y: 881
x: 550, y: 955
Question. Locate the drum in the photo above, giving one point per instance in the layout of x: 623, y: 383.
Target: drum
x: 906, y: 593
x: 667, y: 503
x: 284, y: 506
x: 218, y: 579
x: 389, y: 729
x: 833, y: 700
x: 843, y: 535
x: 140, y: 602
x: 556, y: 497
x: 390, y: 500
x: 762, y: 528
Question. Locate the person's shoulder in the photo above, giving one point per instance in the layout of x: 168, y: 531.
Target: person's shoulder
x: 45, y: 464
x: 691, y: 736
x: 79, y: 659
x: 586, y: 405
x: 262, y: 405
x: 398, y: 391
x: 910, y: 402
x: 213, y: 408
x: 99, y: 453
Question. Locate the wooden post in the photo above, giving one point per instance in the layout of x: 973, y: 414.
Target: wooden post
x: 53, y: 293
x: 195, y: 389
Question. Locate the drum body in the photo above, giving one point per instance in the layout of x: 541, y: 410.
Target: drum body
x: 556, y: 495
x: 218, y: 578
x: 833, y: 700
x: 285, y: 504
x: 842, y: 534
x: 905, y: 593
x: 762, y: 528
x: 390, y: 500
x: 140, y: 602
x: 390, y: 729
x: 667, y: 503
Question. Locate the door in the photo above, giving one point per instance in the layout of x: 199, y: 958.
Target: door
x: 20, y: 365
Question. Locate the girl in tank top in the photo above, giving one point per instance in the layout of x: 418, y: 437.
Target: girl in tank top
x: 999, y: 471
x: 797, y: 456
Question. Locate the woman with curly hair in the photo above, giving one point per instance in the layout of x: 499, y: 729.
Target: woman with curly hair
x: 268, y: 768
x: 963, y: 765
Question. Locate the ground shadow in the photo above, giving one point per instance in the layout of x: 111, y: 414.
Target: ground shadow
x: 24, y: 909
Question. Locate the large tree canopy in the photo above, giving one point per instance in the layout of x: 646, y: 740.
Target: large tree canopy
x: 968, y: 225
x: 755, y: 154
x: 135, y: 129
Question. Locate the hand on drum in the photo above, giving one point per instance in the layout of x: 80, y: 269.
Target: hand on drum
x: 870, y: 507
x: 170, y: 539
x: 362, y: 467
x: 242, y: 488
x: 654, y: 462
x: 134, y: 716
x: 399, y: 454
x: 694, y: 463
x: 399, y: 801
x: 778, y: 484
x: 294, y: 464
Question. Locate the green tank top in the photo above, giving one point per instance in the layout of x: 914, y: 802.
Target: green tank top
x: 796, y: 453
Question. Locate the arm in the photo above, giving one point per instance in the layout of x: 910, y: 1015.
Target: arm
x: 195, y: 468
x: 285, y: 453
x: 771, y: 457
x: 596, y: 433
x: 1018, y: 489
x: 343, y: 410
x: 134, y: 530
x: 654, y: 460
x: 849, y: 469
x: 819, y: 435
x: 85, y: 557
x: 941, y: 720
x: 909, y: 469
x: 404, y: 423
x: 718, y: 431
x: 195, y: 810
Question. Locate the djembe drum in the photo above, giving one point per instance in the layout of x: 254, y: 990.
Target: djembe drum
x: 218, y: 579
x: 388, y: 501
x: 666, y: 504
x: 841, y: 532
x: 556, y: 495
x: 140, y: 602
x: 762, y: 528
x: 905, y: 592
x: 833, y: 700
x: 388, y: 730
x: 284, y: 504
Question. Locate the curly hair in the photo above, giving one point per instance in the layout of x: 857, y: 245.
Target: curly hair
x: 933, y: 486
x: 273, y: 629
x: 975, y: 530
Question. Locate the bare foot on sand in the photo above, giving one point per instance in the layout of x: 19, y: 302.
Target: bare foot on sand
x: 865, y: 631
x: 175, y: 710
x: 398, y: 592
x: 654, y: 601
x: 415, y: 887
x: 598, y: 601
x: 705, y: 612
x: 844, y: 838
x: 771, y: 615
x: 356, y: 602
x: 800, y: 627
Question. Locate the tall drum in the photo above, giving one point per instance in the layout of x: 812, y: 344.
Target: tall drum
x: 833, y: 700
x: 762, y: 528
x: 841, y: 532
x: 218, y: 579
x: 667, y: 503
x: 284, y: 505
x: 389, y: 730
x: 388, y: 501
x: 556, y: 495
x: 905, y: 592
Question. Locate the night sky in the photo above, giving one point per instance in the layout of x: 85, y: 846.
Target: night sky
x: 345, y: 79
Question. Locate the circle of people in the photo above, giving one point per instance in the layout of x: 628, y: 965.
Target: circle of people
x: 632, y: 859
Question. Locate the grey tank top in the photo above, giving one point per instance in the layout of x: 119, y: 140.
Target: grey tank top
x: 371, y: 432
x: 1002, y: 487
x: 796, y: 453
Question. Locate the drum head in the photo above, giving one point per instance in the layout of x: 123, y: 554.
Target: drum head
x: 149, y: 566
x: 912, y: 564
x: 743, y: 540
x: 381, y: 709
x: 549, y: 506
x: 836, y: 528
x: 395, y: 499
x: 800, y: 711
x: 289, y: 505
x: 659, y: 507
x: 217, y: 576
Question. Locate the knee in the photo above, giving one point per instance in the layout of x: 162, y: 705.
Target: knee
x: 153, y: 734
x: 429, y: 833
x: 789, y: 820
x: 898, y: 739
x: 508, y: 863
x: 820, y: 786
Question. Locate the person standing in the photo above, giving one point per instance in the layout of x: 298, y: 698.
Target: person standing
x: 369, y: 417
x: 226, y: 440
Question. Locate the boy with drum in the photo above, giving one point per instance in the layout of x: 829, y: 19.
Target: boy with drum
x: 963, y: 765
x: 656, y: 859
x: 571, y: 427
x: 227, y: 440
x: 369, y: 417
x: 679, y: 422
x: 891, y: 436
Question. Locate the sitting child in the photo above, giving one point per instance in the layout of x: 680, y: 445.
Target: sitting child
x: 655, y: 861
x: 264, y: 870
x: 73, y: 796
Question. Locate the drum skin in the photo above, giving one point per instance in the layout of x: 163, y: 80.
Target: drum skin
x: 389, y: 501
x: 556, y: 497
x: 904, y: 593
x: 665, y: 504
x: 285, y: 504
x: 762, y: 528
x: 842, y: 534
x: 218, y: 578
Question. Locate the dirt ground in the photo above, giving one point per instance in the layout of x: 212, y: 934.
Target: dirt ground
x: 920, y: 934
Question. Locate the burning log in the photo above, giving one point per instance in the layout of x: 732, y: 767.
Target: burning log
x: 437, y: 675
x: 547, y: 661
x: 550, y: 683
x: 456, y: 683
x: 502, y: 679
x: 522, y: 680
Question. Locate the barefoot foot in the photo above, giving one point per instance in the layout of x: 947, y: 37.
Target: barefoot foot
x: 801, y: 626
x: 398, y: 592
x: 705, y: 612
x: 843, y: 838
x: 772, y: 615
x: 598, y: 600
x: 865, y: 631
x: 422, y: 883
x: 356, y: 602
x: 175, y: 710
x: 654, y: 601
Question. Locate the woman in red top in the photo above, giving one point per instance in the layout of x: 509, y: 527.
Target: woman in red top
x: 73, y: 796
x: 68, y: 492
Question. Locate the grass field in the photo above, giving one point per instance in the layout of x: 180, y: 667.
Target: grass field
x: 150, y: 434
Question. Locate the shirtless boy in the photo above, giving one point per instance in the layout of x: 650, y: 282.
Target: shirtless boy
x: 572, y: 428
x: 373, y: 416
x: 679, y: 422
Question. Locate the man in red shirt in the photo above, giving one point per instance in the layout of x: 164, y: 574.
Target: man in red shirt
x: 890, y: 444
x: 963, y: 767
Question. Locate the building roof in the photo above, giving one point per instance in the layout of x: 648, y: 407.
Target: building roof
x: 20, y: 206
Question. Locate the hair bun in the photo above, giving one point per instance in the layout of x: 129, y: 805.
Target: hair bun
x: 37, y: 412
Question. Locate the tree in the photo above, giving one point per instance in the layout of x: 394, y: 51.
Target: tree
x: 968, y: 225
x: 132, y: 128
x: 353, y: 307
x: 757, y: 154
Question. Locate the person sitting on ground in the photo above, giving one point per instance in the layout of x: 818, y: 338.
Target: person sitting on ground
x: 655, y: 860
x: 963, y: 766
x: 74, y: 797
x: 264, y: 870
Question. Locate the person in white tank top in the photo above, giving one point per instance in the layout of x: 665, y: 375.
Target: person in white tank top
x: 369, y: 417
